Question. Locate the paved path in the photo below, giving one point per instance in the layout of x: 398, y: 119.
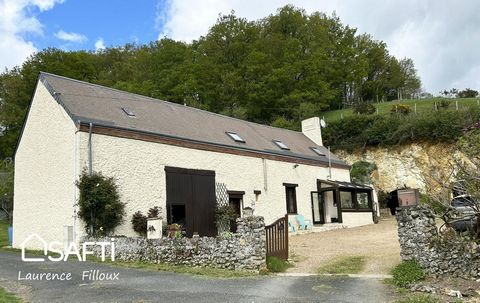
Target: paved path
x: 378, y: 242
x: 152, y: 286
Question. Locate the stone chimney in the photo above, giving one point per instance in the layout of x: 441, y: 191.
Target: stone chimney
x: 312, y: 129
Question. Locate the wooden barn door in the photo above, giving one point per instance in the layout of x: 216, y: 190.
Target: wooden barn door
x: 191, y: 191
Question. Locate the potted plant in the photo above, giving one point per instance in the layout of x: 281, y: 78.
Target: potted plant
x: 174, y: 230
x: 154, y: 223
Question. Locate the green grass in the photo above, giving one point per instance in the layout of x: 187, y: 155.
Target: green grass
x: 6, y: 297
x: 198, y: 271
x: 344, y: 265
x: 406, y: 273
x: 4, y: 224
x: 423, y: 105
x: 418, y: 298
x: 275, y: 264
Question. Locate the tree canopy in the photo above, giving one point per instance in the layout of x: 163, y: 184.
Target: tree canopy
x: 277, y: 70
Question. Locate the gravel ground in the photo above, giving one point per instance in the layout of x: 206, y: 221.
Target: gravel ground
x: 378, y: 242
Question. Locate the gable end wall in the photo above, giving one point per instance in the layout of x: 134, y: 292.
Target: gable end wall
x: 44, y: 171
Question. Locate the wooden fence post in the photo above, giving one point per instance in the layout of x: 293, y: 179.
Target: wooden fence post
x: 286, y: 236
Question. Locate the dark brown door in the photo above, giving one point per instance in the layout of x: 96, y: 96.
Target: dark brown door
x: 191, y: 194
x: 317, y: 208
x: 235, y: 202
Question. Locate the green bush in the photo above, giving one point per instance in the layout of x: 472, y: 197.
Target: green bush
x: 443, y: 104
x: 139, y: 220
x: 383, y: 197
x: 348, y: 133
x: 364, y: 108
x: 275, y: 264
x: 437, y: 206
x: 100, y: 205
x: 359, y: 131
x: 139, y: 223
x: 6, y: 186
x: 403, y: 109
x: 361, y: 171
x: 407, y: 272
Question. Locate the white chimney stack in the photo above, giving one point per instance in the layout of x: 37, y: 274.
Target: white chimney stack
x: 313, y: 130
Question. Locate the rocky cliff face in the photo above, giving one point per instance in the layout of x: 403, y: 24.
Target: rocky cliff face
x: 420, y: 166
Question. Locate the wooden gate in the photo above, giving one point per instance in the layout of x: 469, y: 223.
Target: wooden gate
x: 277, y: 238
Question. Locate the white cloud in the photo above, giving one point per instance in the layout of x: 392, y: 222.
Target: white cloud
x: 441, y: 36
x: 99, y: 44
x: 70, y: 37
x: 17, y: 19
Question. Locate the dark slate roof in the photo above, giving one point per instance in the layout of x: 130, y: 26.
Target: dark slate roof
x: 101, y: 105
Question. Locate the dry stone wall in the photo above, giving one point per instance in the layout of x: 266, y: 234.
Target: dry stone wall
x: 438, y: 254
x: 243, y: 250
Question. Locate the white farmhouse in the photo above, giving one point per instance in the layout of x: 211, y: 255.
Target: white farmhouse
x: 164, y: 154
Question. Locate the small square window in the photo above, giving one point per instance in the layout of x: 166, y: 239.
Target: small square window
x: 318, y: 151
x: 235, y: 137
x: 281, y: 144
x: 128, y: 111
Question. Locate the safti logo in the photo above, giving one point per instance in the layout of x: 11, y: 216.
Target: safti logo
x: 62, y: 253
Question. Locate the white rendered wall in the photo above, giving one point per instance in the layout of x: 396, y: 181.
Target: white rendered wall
x: 138, y: 168
x: 352, y: 219
x: 44, y: 172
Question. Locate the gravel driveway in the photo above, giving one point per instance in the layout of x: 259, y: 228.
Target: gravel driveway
x: 378, y: 242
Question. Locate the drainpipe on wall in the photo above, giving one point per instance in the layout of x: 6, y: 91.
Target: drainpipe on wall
x: 90, y: 149
x: 75, y: 176
x: 265, y: 181
x: 90, y: 163
x: 329, y: 164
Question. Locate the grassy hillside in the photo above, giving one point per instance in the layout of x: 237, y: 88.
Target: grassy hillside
x: 427, y: 126
x: 423, y: 105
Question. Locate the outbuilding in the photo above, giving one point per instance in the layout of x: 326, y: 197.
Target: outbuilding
x: 180, y: 158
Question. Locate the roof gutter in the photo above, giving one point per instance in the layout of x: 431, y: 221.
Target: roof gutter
x: 293, y: 157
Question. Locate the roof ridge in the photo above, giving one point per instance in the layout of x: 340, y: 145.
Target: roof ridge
x: 169, y: 102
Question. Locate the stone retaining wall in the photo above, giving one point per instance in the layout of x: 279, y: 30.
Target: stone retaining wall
x: 243, y: 250
x: 438, y: 254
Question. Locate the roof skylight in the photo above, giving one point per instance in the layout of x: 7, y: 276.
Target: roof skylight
x: 318, y: 151
x: 235, y: 137
x: 128, y: 111
x: 281, y: 144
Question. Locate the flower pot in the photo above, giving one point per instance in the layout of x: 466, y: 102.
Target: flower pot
x: 154, y: 228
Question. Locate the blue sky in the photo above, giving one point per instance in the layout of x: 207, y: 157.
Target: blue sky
x: 116, y: 22
x: 441, y: 36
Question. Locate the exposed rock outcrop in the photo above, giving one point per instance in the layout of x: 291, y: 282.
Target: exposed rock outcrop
x: 415, y: 165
